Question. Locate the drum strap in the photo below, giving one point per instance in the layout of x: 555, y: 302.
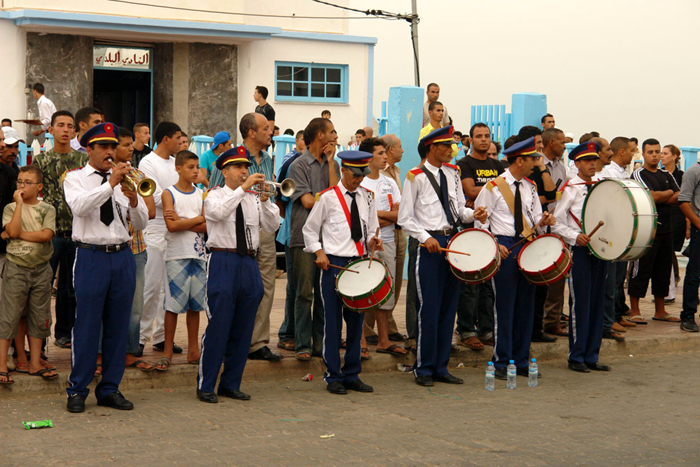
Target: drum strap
x: 510, y: 201
x: 344, y: 205
x: 578, y: 222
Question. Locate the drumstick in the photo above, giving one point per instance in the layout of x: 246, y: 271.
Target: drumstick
x: 530, y: 235
x: 343, y: 269
x: 445, y: 250
x: 595, y: 229
x: 371, y: 255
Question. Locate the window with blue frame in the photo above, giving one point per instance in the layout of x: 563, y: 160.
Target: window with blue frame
x: 311, y: 82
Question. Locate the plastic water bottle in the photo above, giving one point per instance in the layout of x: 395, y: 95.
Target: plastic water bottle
x: 512, y: 374
x: 490, y: 377
x: 532, y: 374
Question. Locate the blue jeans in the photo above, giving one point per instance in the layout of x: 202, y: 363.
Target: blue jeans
x: 64, y: 256
x: 475, y: 310
x: 308, y: 306
x: 286, y: 332
x: 692, y: 277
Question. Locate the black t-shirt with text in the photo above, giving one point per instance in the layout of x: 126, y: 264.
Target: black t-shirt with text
x: 481, y: 171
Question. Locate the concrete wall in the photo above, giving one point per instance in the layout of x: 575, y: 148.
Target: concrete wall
x: 256, y: 65
x: 624, y: 67
x: 162, y: 83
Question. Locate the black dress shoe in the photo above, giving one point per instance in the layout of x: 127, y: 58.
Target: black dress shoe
x: 336, y: 387
x: 372, y: 340
x: 160, y: 347
x: 501, y: 373
x: 139, y: 353
x: 264, y: 353
x: 598, y: 366
x: 578, y: 366
x: 424, y: 380
x: 116, y: 401
x: 76, y: 403
x: 208, y: 397
x: 358, y: 386
x: 689, y: 325
x: 238, y: 395
x: 544, y: 338
x: 449, y: 379
x: 526, y: 372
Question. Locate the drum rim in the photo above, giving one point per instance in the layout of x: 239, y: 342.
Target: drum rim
x: 549, y: 268
x: 635, y: 228
x: 495, y: 241
x: 387, y: 279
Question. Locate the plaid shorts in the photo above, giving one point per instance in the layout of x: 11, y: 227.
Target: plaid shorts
x: 187, y: 282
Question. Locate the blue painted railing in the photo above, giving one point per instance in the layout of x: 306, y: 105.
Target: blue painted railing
x: 383, y: 120
x: 496, y: 118
x: 690, y: 156
x: 202, y: 143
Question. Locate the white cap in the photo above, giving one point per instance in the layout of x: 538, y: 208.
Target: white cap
x: 569, y: 135
x: 9, y: 132
x: 11, y: 140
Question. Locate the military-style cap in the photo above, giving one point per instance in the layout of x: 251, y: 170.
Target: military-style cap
x: 444, y: 135
x: 587, y: 150
x: 523, y: 148
x: 104, y: 133
x: 238, y: 155
x: 356, y: 161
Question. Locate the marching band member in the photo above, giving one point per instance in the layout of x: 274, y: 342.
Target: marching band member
x: 432, y: 207
x: 587, y: 280
x: 234, y: 216
x: 103, y: 300
x: 338, y: 234
x: 515, y: 210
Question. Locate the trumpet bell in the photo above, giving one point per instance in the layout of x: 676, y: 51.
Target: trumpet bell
x: 146, y: 187
x: 288, y: 187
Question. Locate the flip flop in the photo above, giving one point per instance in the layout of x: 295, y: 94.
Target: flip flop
x: 193, y: 362
x: 145, y: 370
x: 163, y: 362
x: 393, y: 350
x: 473, y: 343
x: 364, y: 353
x: 303, y: 356
x: 47, y: 365
x: 637, y: 320
x: 43, y: 374
x: 667, y: 318
x: 22, y: 368
x: 8, y: 378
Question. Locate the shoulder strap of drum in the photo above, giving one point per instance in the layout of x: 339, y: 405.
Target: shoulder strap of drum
x: 510, y: 201
x: 434, y: 183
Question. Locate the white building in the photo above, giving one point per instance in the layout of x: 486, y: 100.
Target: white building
x: 182, y: 63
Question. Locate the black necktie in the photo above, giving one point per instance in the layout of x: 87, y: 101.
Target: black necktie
x: 445, y: 197
x: 241, y: 244
x: 355, y: 228
x: 106, y: 210
x: 518, y: 210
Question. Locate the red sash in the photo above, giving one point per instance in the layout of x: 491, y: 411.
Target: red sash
x: 344, y: 205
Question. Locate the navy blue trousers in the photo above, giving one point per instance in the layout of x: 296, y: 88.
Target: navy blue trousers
x: 104, y: 291
x: 334, y: 313
x: 587, y: 305
x: 515, y: 310
x: 437, y: 297
x: 234, y: 291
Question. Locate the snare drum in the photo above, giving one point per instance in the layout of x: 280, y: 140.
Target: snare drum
x: 544, y: 260
x: 485, y: 258
x: 369, y: 289
x: 629, y: 213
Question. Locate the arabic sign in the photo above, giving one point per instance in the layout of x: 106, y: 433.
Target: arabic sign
x: 124, y: 58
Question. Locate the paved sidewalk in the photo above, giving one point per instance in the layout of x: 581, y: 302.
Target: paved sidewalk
x: 654, y: 338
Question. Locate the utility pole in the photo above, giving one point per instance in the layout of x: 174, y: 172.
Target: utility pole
x: 414, y: 38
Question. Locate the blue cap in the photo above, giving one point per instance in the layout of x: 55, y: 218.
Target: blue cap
x: 220, y: 137
x: 238, y: 155
x: 533, y: 360
x: 587, y: 150
x: 106, y: 133
x: 444, y: 135
x: 523, y: 148
x: 356, y: 161
x: 512, y: 361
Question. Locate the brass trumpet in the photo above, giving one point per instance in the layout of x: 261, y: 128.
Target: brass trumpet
x: 287, y: 187
x: 144, y: 186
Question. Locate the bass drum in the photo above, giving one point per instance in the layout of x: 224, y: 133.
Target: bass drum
x: 629, y: 213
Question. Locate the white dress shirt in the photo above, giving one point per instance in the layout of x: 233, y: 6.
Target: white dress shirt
x: 571, y: 202
x: 85, y: 194
x: 613, y: 170
x: 421, y: 209
x: 46, y: 110
x: 328, y: 224
x: 163, y: 172
x: 500, y: 220
x: 220, y: 212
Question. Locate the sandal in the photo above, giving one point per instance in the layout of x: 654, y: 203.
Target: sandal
x: 286, y: 345
x: 393, y: 350
x: 43, y: 373
x: 5, y: 378
x: 668, y: 318
x: 364, y: 353
x: 22, y: 368
x: 637, y: 319
x: 163, y: 362
x: 146, y: 369
x: 473, y: 343
x: 303, y: 356
x: 47, y: 365
x: 98, y: 369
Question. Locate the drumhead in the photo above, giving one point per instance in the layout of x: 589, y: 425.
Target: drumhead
x: 478, y: 243
x: 629, y: 214
x: 541, y: 253
x: 352, y: 285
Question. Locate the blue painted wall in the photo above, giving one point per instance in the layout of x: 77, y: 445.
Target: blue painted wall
x: 405, y: 120
x: 528, y: 108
